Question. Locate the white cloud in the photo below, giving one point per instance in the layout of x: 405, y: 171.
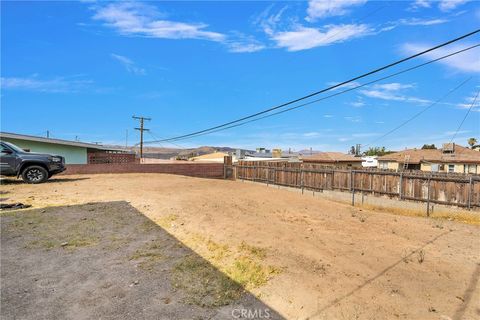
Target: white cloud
x: 327, y: 116
x: 392, y: 92
x: 447, y: 5
x: 469, y: 101
x: 138, y: 19
x: 302, y: 38
x: 311, y: 134
x: 468, y: 61
x: 243, y: 43
x: 242, y: 47
x: 328, y: 8
x: 348, y: 85
x: 128, y: 64
x: 394, y: 86
x: 357, y: 104
x: 55, y: 85
x: 421, y: 4
x: 353, y: 118
x: 444, y: 5
x: 422, y: 22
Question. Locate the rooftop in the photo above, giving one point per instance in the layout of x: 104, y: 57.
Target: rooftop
x: 460, y: 154
x: 57, y: 141
x: 331, y: 157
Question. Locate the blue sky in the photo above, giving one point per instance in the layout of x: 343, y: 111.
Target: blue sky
x: 84, y: 68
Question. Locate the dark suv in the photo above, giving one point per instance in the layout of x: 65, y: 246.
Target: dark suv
x: 33, y: 167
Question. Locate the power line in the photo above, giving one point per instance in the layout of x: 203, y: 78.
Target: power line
x: 332, y: 95
x: 326, y: 89
x: 419, y: 113
x: 466, y: 115
x: 141, y: 129
x: 156, y: 137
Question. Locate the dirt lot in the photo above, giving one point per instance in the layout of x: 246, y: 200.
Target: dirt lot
x: 170, y: 247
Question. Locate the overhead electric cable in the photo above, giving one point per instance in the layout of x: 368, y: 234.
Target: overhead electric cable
x: 329, y: 96
x: 419, y: 113
x: 466, y: 115
x: 326, y: 89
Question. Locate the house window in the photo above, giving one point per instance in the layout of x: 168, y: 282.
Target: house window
x: 434, y: 167
x: 451, y: 168
x: 383, y: 165
x: 470, y: 168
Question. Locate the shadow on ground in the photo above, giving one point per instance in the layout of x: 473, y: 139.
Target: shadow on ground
x: 107, y: 260
x: 51, y: 180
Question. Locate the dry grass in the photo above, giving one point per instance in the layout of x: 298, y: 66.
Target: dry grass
x: 220, y: 273
x: 49, y: 231
x: 472, y: 218
x: 148, y: 256
x: 203, y: 284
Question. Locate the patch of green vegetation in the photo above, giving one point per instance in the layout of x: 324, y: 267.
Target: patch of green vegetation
x: 148, y: 226
x: 148, y: 256
x: 116, y: 242
x: 217, y: 251
x: 81, y: 242
x: 46, y: 244
x: 250, y: 273
x: 48, y: 231
x: 260, y: 253
x: 166, y: 221
x: 222, y: 274
x: 204, y: 284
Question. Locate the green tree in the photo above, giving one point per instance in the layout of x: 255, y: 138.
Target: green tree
x: 429, y: 146
x: 472, y: 142
x: 376, y: 151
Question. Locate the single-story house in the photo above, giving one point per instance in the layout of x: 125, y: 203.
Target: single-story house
x: 334, y: 159
x: 74, y: 152
x: 451, y: 158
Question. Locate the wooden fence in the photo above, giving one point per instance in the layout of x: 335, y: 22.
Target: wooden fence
x: 447, y: 189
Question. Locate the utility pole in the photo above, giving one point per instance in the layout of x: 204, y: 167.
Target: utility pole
x: 48, y: 134
x: 126, y: 138
x: 141, y: 129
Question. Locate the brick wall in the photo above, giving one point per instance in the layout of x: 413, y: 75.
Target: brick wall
x: 206, y: 170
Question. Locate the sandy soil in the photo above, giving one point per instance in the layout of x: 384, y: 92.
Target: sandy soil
x: 332, y: 261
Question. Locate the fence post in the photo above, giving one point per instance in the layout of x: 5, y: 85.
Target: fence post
x: 254, y: 173
x: 470, y: 193
x: 371, y: 184
x: 361, y: 186
x: 400, y: 188
x: 301, y: 178
x: 428, y: 197
x: 333, y: 180
x: 352, y: 186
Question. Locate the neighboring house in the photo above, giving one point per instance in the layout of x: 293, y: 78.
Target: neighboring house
x: 334, y: 159
x: 369, y: 162
x: 276, y: 155
x: 210, y: 157
x: 451, y: 158
x: 75, y: 152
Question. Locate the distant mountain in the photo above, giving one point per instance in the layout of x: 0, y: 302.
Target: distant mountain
x: 168, y: 153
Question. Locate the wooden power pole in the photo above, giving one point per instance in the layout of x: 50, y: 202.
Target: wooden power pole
x: 141, y: 129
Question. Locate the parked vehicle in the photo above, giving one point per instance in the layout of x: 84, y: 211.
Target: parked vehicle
x: 33, y: 167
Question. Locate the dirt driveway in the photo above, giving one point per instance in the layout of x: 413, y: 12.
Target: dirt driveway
x: 159, y: 246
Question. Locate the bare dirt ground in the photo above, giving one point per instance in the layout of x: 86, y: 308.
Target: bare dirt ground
x: 159, y: 246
